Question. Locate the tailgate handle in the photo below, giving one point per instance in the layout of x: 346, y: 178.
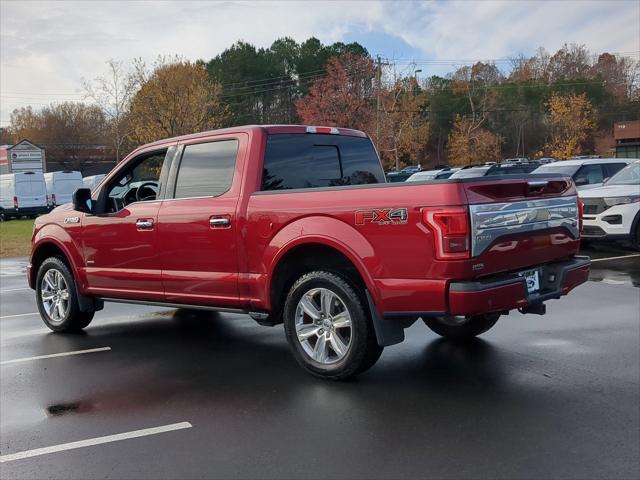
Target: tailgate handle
x: 536, y: 186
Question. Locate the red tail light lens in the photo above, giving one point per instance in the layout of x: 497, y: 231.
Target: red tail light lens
x: 580, y: 210
x: 450, y: 226
x: 15, y: 202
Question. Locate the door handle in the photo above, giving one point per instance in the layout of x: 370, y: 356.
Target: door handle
x: 219, y: 222
x: 144, y: 224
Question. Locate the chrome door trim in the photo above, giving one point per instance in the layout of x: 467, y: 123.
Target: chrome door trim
x: 491, y: 221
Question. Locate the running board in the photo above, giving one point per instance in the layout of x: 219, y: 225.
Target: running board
x: 174, y: 305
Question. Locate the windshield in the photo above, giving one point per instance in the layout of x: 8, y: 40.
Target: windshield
x: 629, y: 175
x: 557, y: 168
x: 470, y: 172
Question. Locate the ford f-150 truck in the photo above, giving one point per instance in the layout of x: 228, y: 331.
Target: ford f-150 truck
x: 296, y: 225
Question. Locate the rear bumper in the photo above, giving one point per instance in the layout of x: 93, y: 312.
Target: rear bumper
x: 509, y: 291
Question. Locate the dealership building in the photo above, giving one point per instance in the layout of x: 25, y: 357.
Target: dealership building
x: 627, y: 139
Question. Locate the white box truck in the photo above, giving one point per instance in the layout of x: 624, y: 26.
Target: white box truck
x: 22, y: 194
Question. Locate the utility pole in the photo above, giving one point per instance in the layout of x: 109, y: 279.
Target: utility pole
x: 378, y: 88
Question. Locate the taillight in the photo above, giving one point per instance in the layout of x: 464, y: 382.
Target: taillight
x: 580, y: 210
x: 450, y: 226
x: 15, y: 202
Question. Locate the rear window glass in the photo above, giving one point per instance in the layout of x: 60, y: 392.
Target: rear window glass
x: 311, y: 161
x: 560, y: 169
x: 206, y: 169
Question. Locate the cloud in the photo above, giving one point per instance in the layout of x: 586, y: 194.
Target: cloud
x: 49, y: 47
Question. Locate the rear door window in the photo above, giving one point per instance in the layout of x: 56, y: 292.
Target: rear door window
x: 610, y: 169
x: 589, y: 174
x: 206, y: 169
x: 312, y: 161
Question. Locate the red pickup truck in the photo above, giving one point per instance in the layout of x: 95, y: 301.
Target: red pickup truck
x: 296, y: 225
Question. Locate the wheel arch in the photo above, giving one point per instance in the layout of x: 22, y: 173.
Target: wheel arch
x: 315, y: 252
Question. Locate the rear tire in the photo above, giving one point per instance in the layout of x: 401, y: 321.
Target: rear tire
x: 57, y: 297
x: 327, y: 327
x: 636, y: 240
x: 460, y: 327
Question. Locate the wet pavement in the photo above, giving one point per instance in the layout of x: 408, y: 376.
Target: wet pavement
x: 171, y: 394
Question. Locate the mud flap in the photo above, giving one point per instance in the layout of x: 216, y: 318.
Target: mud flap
x: 388, y: 332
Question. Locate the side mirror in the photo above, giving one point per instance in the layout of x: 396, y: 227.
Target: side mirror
x: 582, y: 181
x: 606, y: 179
x: 82, y: 200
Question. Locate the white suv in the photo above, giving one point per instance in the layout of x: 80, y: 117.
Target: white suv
x: 613, y: 210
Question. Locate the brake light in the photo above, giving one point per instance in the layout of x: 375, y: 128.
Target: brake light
x: 451, y: 229
x: 580, y: 210
x: 15, y: 202
x: 331, y: 130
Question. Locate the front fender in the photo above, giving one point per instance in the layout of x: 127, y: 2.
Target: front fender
x: 54, y: 234
x: 331, y: 233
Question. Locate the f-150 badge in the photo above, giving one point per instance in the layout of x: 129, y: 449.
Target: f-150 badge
x: 382, y: 216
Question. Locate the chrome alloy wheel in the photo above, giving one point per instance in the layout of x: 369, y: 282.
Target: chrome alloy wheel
x: 323, y: 326
x: 54, y: 295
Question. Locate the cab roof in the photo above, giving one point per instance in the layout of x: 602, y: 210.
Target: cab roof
x: 269, y: 129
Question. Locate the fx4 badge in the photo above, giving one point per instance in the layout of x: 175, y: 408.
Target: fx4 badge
x: 382, y: 216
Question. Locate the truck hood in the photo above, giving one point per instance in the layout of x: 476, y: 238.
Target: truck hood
x: 610, y: 191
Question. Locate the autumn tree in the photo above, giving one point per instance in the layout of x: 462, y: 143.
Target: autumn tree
x: 176, y: 97
x: 344, y: 97
x: 572, y: 120
x: 113, y: 93
x: 404, y: 130
x: 470, y: 145
x: 60, y: 128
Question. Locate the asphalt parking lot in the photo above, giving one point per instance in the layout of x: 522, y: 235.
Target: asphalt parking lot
x: 169, y: 394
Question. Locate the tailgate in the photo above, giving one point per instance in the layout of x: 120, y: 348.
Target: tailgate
x: 520, y: 222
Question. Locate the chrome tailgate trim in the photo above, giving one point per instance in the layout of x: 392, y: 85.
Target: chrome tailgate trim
x: 491, y: 221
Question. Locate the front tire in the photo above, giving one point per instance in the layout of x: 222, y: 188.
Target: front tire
x: 57, y: 297
x: 327, y: 327
x: 461, y: 327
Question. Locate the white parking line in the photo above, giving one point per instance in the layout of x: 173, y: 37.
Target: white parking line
x: 54, y: 355
x: 19, y: 315
x: 615, y: 258
x: 94, y: 441
x: 14, y: 289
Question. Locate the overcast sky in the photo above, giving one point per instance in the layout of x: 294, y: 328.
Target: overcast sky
x: 46, y: 48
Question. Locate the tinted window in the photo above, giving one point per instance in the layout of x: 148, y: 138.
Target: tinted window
x: 206, y: 169
x: 310, y: 160
x: 589, y: 174
x: 610, y: 169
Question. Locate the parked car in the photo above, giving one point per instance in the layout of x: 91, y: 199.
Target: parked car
x: 511, y: 168
x: 612, y: 212
x: 61, y: 185
x: 394, y: 177
x: 22, y: 194
x: 587, y: 172
x: 92, y: 181
x: 428, y: 175
x: 296, y: 224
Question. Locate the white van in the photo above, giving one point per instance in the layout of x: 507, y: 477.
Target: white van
x: 92, y: 181
x: 22, y: 194
x: 61, y: 185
